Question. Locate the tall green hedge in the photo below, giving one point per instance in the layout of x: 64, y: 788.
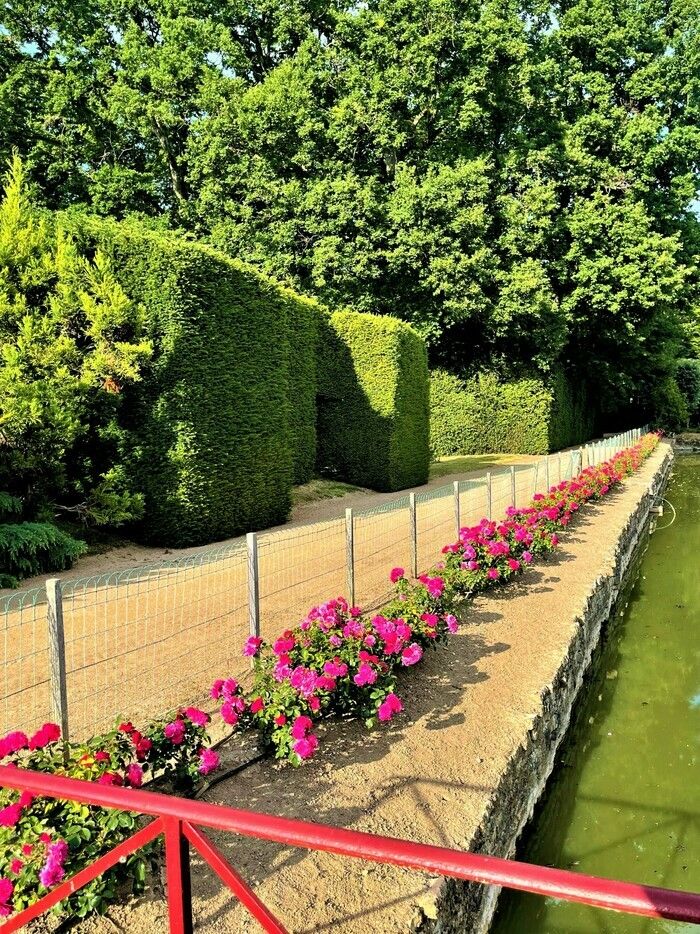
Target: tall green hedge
x: 484, y: 415
x: 303, y: 317
x: 373, y: 403
x: 210, y: 421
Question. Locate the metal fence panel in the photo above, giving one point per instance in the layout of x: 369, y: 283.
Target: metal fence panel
x: 26, y: 691
x: 382, y: 542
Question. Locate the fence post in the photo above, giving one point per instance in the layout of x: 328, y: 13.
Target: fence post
x: 489, y: 497
x: 57, y: 655
x: 253, y: 585
x: 414, y: 533
x: 535, y: 478
x: 512, y: 484
x: 546, y: 472
x: 457, y: 517
x: 350, y: 555
x: 177, y: 870
x: 580, y: 460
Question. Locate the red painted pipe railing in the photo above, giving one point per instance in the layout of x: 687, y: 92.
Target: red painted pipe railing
x: 176, y: 819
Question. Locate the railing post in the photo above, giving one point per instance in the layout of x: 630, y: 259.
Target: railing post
x: 535, y: 478
x: 350, y: 555
x: 546, y: 472
x: 177, y: 868
x: 512, y: 484
x: 253, y: 585
x: 457, y: 517
x: 489, y: 497
x: 413, y: 532
x: 57, y: 655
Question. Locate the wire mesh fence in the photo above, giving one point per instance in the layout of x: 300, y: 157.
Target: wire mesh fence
x: 143, y: 641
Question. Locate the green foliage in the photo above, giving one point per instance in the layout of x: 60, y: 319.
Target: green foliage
x: 517, y: 181
x: 688, y: 379
x: 209, y: 425
x: 29, y: 548
x: 668, y: 407
x: 71, y: 343
x: 485, y: 415
x: 373, y: 402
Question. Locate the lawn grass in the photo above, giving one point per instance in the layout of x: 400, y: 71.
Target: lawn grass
x: 321, y: 488
x: 463, y: 463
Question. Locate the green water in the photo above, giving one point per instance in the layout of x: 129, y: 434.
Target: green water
x: 624, y: 800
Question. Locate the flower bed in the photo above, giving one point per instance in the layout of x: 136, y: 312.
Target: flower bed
x: 337, y: 660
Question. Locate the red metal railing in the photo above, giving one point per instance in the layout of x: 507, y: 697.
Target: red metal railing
x: 176, y: 818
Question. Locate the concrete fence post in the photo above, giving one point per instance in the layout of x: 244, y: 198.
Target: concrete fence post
x: 350, y: 555
x: 253, y: 585
x: 413, y: 533
x: 457, y: 516
x: 512, y: 485
x: 546, y: 472
x: 535, y: 476
x: 57, y: 655
x: 489, y: 496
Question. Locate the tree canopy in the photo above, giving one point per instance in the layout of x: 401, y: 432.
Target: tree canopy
x: 516, y: 179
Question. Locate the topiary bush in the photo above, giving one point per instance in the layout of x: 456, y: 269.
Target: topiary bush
x: 484, y: 415
x: 373, y: 404
x: 303, y: 318
x: 210, y: 424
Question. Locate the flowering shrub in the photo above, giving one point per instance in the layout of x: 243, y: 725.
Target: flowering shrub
x: 43, y: 840
x: 342, y: 660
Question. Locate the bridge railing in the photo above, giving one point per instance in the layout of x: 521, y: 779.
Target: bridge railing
x: 179, y: 821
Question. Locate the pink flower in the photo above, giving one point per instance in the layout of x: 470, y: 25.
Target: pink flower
x: 134, y: 774
x: 101, y: 756
x: 527, y: 557
x: 411, y: 654
x: 229, y: 714
x: 314, y: 704
x: 16, y: 866
x: 27, y: 849
x: 6, y: 889
x: 196, y: 716
x: 110, y: 778
x: 52, y: 871
x: 493, y: 574
x: 473, y: 565
x: 365, y: 675
x: 451, y: 623
x: 396, y: 575
x: 217, y: 688
x: 430, y: 619
x: 252, y: 645
x: 434, y: 585
x: 175, y: 732
x: 554, y: 540
x: 280, y: 720
x: 12, y: 743
x: 301, y: 727
x: 389, y: 706
x: 10, y: 815
x: 335, y: 668
x: 257, y: 705
x: 208, y: 761
x: 283, y: 645
x: 513, y: 564
x: 48, y: 733
x: 306, y: 747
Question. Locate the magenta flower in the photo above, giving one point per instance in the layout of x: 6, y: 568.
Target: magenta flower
x: 6, y: 889
x: 217, y: 688
x: 208, y: 761
x: 527, y: 557
x: 513, y: 564
x: 396, y: 575
x: 196, y: 716
x: 257, y: 705
x: 306, y: 747
x: 48, y: 733
x: 412, y: 654
x: 301, y: 727
x: 390, y: 706
x: 175, y: 732
x: 10, y: 815
x: 451, y: 623
x: 134, y: 774
x: 365, y: 675
x: 493, y: 574
x: 252, y: 646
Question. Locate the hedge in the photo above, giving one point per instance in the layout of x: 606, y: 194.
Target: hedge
x: 303, y: 318
x: 373, y: 403
x: 210, y: 421
x: 484, y: 415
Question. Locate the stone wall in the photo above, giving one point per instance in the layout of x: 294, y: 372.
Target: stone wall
x: 467, y: 907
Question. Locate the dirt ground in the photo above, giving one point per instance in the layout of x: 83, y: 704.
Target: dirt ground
x: 429, y: 776
x: 143, y: 638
